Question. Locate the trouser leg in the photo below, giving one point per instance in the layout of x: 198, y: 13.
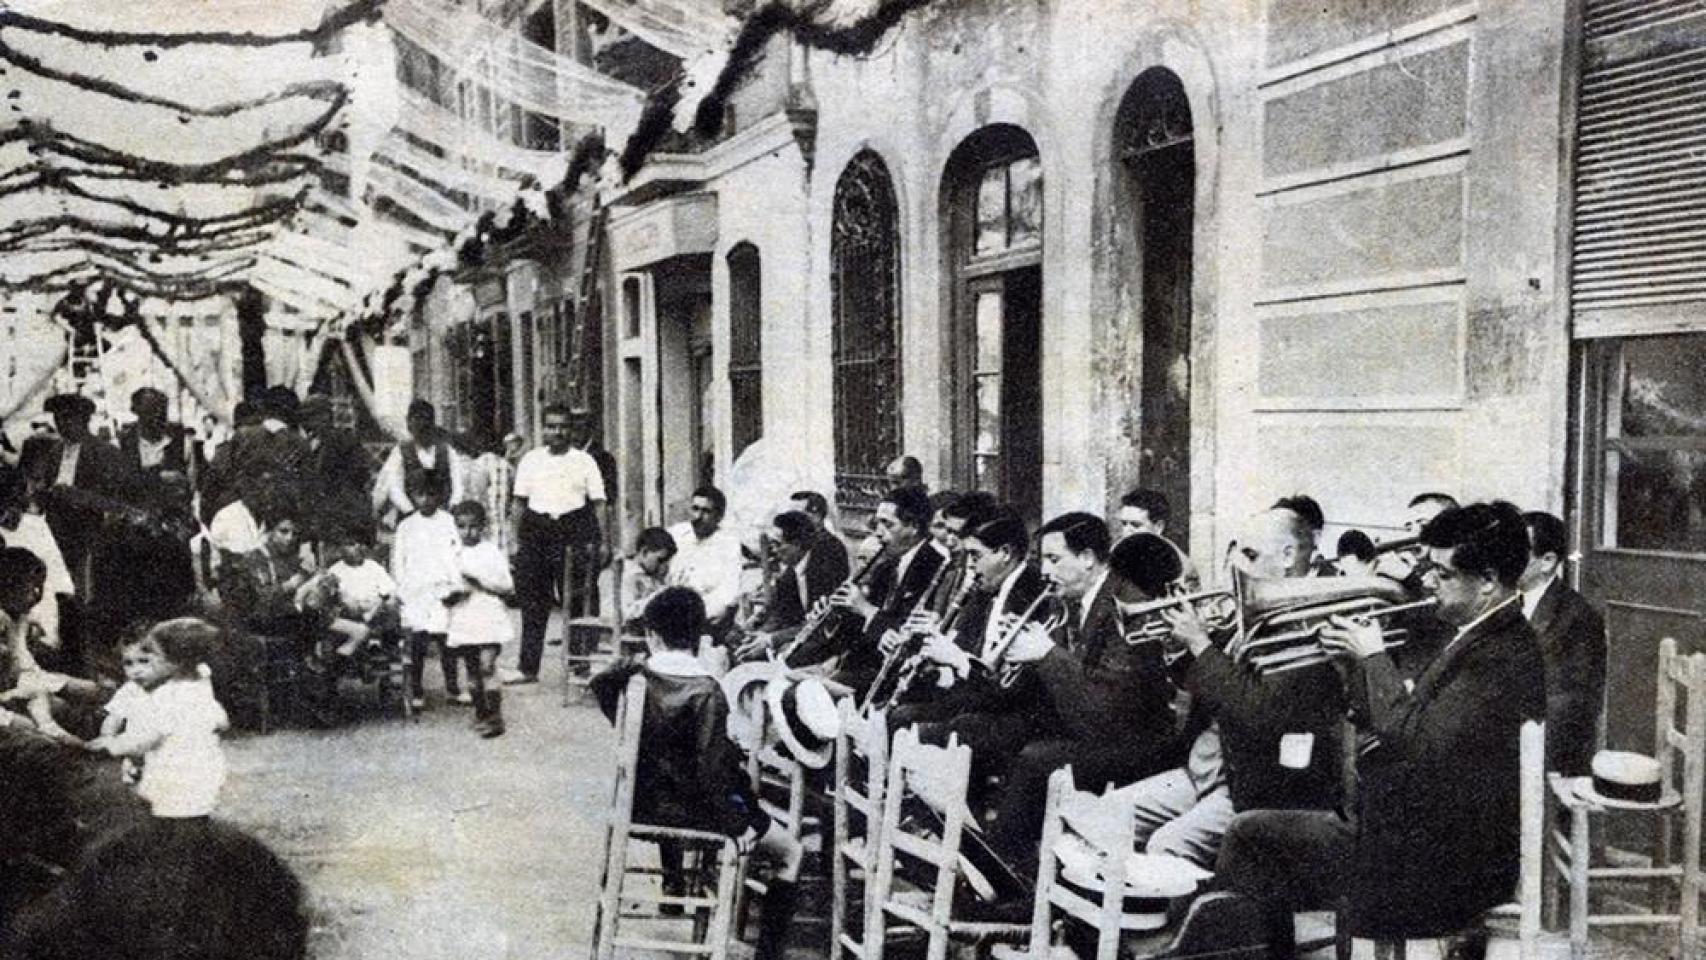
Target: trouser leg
x: 538, y: 573
x: 1286, y: 860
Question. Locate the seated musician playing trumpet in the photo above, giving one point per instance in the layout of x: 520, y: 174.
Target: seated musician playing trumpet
x: 1434, y: 840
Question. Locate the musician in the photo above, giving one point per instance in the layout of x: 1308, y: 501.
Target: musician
x: 1435, y: 839
x: 815, y: 505
x: 905, y: 471
x: 1001, y: 586
x: 955, y: 517
x: 1308, y: 510
x: 1572, y: 641
x: 1105, y: 703
x: 811, y: 564
x: 1143, y: 510
x: 902, y: 524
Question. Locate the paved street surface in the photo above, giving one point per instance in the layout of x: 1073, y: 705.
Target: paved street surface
x: 419, y: 840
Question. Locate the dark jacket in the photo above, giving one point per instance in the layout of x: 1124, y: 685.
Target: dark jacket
x: 1102, y: 688
x: 338, y: 475
x: 975, y: 614
x: 76, y: 522
x: 176, y: 455
x: 907, y: 593
x: 826, y: 569
x: 688, y: 773
x: 1572, y: 642
x: 1256, y: 713
x: 1438, y: 829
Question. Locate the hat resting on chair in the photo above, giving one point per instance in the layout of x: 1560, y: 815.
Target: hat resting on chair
x: 744, y: 687
x: 805, y: 717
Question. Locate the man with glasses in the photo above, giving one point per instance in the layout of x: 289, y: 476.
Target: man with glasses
x: 1434, y: 840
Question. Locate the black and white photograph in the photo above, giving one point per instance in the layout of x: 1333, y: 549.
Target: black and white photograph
x: 852, y: 479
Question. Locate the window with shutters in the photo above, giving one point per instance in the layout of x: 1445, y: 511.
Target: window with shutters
x: 746, y: 354
x: 865, y: 298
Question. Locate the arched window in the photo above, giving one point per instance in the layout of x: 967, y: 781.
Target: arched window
x: 746, y: 346
x: 865, y: 294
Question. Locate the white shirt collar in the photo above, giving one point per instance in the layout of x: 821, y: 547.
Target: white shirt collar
x: 676, y: 663
x: 1531, y: 596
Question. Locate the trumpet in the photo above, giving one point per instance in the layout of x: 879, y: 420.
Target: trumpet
x: 1297, y: 643
x: 1222, y: 611
x: 995, y: 658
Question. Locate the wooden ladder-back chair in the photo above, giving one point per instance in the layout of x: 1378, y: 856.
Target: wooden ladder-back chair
x: 1104, y: 915
x: 948, y: 771
x: 708, y: 903
x: 779, y: 783
x: 590, y: 642
x: 1681, y: 753
x: 854, y: 854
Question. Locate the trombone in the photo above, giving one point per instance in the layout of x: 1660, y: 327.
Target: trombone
x: 1297, y: 642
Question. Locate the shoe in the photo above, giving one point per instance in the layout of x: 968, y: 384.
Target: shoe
x: 519, y: 679
x: 417, y: 703
x: 492, y: 730
x: 462, y: 698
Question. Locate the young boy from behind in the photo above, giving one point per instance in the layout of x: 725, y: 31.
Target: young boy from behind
x: 688, y: 773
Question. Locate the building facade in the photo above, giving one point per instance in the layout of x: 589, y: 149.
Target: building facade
x: 1058, y: 249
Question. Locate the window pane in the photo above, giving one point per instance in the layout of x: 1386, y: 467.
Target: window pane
x: 1027, y: 179
x: 1660, y: 499
x: 991, y: 212
x: 989, y: 413
x: 1664, y: 392
x: 989, y: 331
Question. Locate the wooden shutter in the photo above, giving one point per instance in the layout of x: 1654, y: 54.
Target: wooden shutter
x: 1639, y: 244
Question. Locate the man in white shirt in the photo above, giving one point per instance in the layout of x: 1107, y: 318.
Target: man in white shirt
x: 427, y: 450
x: 558, y: 505
x: 707, y: 557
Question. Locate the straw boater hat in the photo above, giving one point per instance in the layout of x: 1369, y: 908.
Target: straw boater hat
x: 1624, y: 779
x: 805, y: 718
x: 744, y: 688
x: 1152, y: 881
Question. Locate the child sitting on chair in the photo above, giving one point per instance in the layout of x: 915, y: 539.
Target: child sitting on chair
x: 688, y: 773
x: 366, y: 605
x: 646, y: 574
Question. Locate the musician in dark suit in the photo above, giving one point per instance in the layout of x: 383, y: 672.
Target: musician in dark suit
x: 1108, y: 701
x: 1000, y: 584
x: 812, y: 563
x: 902, y: 524
x: 1573, y: 643
x: 1435, y: 839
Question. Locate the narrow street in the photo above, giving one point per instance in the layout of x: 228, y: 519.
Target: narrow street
x: 418, y: 840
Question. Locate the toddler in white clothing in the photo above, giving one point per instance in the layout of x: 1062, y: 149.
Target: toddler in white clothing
x: 166, y: 717
x: 479, y: 621
x: 366, y: 606
x: 423, y: 562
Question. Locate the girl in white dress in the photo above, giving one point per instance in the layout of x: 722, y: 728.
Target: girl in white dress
x: 479, y: 619
x: 171, y: 721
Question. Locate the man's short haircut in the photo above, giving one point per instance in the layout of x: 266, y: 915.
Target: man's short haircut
x: 655, y: 538
x: 1355, y: 543
x: 911, y: 470
x: 426, y: 481
x: 714, y: 495
x: 558, y: 410
x: 677, y: 616
x: 1151, y: 502
x: 422, y: 410
x: 1081, y: 531
x: 18, y: 565
x: 148, y: 394
x: 1003, y: 529
x: 813, y: 503
x: 974, y: 507
x: 1307, y: 509
x: 1298, y: 527
x: 1546, y: 534
x: 470, y: 508
x: 796, y: 527
x: 911, y: 505
x: 942, y: 500
x: 1445, y: 500
x: 1486, y: 539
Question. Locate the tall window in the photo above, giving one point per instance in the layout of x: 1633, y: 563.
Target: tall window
x: 865, y: 294
x: 746, y: 340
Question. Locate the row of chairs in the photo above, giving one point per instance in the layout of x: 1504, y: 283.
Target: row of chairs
x: 874, y: 900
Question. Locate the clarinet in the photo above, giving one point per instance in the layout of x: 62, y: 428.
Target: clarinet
x: 909, y: 671
x: 822, y: 611
x: 903, y: 648
x: 996, y: 659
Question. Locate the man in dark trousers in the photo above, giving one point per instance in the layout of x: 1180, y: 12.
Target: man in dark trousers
x: 1572, y: 640
x: 1435, y: 839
